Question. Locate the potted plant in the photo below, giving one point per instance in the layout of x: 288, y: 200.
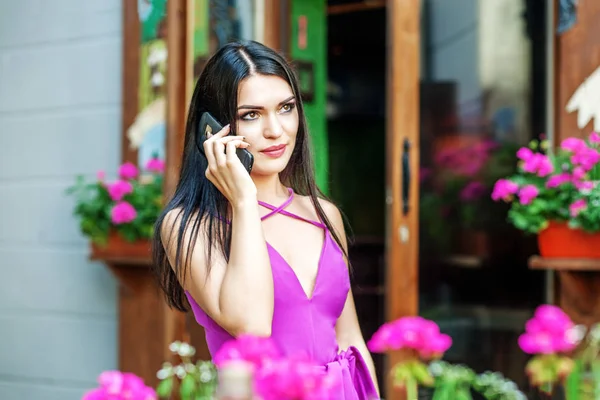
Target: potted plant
x: 564, y: 355
x: 120, y: 214
x: 422, y: 375
x: 455, y: 197
x: 555, y: 194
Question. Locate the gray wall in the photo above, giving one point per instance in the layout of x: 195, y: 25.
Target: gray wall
x: 60, y: 84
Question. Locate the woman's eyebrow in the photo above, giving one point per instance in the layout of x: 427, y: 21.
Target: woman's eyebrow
x: 250, y: 107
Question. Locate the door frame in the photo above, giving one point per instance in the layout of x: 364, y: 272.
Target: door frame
x: 402, y: 127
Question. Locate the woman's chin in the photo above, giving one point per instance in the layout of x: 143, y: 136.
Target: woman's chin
x: 268, y: 167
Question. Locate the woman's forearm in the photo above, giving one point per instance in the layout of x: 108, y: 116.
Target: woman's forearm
x: 364, y: 351
x: 246, y: 297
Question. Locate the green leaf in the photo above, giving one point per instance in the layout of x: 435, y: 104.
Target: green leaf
x: 187, y: 387
x: 165, y: 388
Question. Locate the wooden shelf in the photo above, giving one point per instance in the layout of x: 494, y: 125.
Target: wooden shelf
x: 120, y: 252
x: 564, y: 264
x: 356, y: 7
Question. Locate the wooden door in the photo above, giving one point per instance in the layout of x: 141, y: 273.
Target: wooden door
x: 402, y: 152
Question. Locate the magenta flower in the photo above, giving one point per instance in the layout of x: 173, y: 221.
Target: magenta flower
x: 549, y: 331
x: 252, y: 349
x: 585, y: 186
x: 527, y: 194
x: 295, y: 378
x: 535, y: 163
x: 120, y: 386
x: 155, y: 165
x: 122, y: 213
x: 573, y: 144
x: 577, y: 207
x: 594, y: 137
x: 504, y: 189
x: 557, y: 180
x: 586, y: 158
x: 414, y: 333
x: 117, y: 190
x: 472, y: 191
x: 525, y: 154
x: 128, y: 171
x: 100, y: 175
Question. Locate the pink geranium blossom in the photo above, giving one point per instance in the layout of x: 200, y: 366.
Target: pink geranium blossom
x: 295, y: 378
x: 550, y: 331
x: 472, y: 191
x: 277, y: 377
x: 252, y: 349
x: 128, y: 171
x: 577, y: 206
x: 122, y: 213
x: 504, y: 189
x: 573, y: 144
x: 155, y: 165
x: 100, y: 175
x: 527, y: 194
x: 557, y: 180
x: 414, y: 333
x: 119, y: 189
x: 594, y: 137
x: 115, y: 385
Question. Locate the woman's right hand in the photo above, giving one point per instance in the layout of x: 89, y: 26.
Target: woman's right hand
x: 225, y: 170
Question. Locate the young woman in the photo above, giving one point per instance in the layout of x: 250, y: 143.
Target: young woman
x: 260, y: 253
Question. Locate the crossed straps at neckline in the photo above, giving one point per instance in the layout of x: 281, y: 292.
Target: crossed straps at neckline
x: 281, y: 210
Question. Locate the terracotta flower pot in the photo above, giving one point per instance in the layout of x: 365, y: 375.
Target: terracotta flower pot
x: 560, y: 241
x: 119, y: 249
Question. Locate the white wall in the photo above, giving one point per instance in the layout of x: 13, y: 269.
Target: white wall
x: 60, y: 85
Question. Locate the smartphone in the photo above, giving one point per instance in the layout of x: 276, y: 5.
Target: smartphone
x: 208, y: 124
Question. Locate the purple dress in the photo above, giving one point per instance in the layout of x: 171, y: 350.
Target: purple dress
x: 307, y: 324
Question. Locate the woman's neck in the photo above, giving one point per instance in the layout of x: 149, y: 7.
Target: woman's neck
x: 270, y: 189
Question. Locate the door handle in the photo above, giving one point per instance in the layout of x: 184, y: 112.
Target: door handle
x: 406, y: 176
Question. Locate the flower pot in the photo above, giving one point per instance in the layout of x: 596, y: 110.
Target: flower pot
x: 117, y: 249
x: 560, y: 241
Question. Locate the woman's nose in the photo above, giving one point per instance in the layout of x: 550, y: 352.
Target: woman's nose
x: 274, y: 129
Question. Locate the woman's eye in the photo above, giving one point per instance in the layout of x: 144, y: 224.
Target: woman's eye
x: 287, y: 107
x: 250, y: 115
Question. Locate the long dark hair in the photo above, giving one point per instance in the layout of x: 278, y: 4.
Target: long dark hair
x: 197, y: 200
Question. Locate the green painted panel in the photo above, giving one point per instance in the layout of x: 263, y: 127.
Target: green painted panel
x: 315, y: 51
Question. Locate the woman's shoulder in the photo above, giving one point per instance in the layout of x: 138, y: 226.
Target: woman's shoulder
x: 331, y: 211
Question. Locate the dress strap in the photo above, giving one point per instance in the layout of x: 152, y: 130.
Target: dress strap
x: 281, y: 210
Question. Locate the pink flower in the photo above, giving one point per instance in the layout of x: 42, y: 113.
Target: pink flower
x: 117, y: 190
x: 122, y: 213
x: 295, y: 378
x: 252, y: 349
x: 577, y: 206
x: 535, y: 163
x: 548, y: 332
x: 527, y: 194
x: 594, y: 137
x: 524, y: 153
x: 128, y: 171
x: 557, y: 180
x: 117, y: 385
x: 587, y: 158
x: 537, y: 343
x: 100, y: 175
x: 573, y: 144
x: 155, y: 165
x: 472, y: 191
x: 578, y: 173
x: 504, y: 189
x: 414, y: 333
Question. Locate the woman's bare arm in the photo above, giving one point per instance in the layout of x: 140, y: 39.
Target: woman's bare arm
x: 347, y: 327
x: 237, y: 295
